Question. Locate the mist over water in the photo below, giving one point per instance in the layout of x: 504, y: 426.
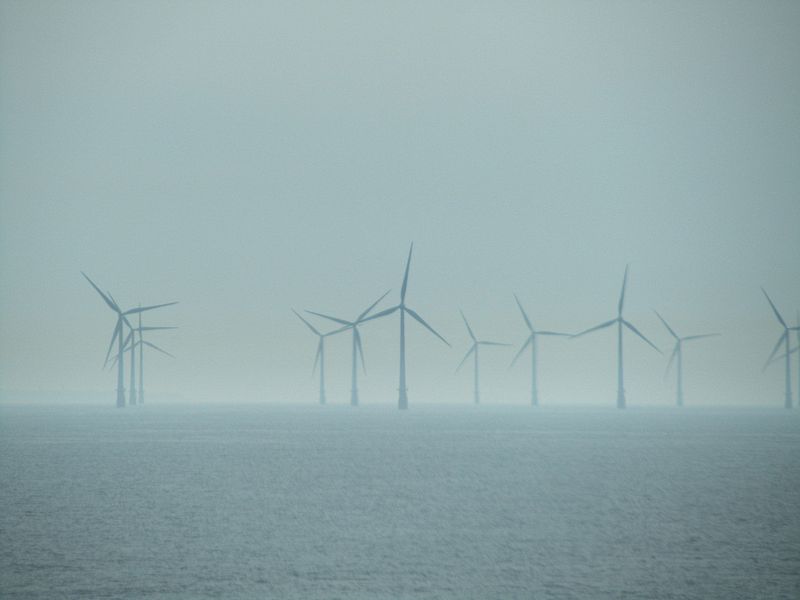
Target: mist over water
x: 438, y: 502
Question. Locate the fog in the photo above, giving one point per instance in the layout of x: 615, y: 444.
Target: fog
x: 250, y: 158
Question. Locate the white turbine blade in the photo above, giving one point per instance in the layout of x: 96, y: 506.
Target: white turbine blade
x: 383, y: 313
x: 554, y: 333
x: 524, y: 314
x: 371, y: 306
x: 142, y: 309
x: 154, y: 347
x: 360, y: 350
x: 335, y: 331
x: 775, y: 349
x: 405, y: 276
x: 330, y: 318
x: 482, y: 343
x: 700, y: 337
x: 595, y: 328
x: 466, y: 356
x: 775, y: 310
x: 622, y: 293
x: 675, y: 335
x: 309, y: 325
x: 423, y: 323
x: 521, y: 350
x: 469, y: 329
x: 107, y: 300
x: 125, y: 347
x: 780, y: 357
x: 671, y: 360
x: 639, y: 333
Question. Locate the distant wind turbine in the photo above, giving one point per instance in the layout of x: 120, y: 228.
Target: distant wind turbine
x: 118, y: 334
x: 474, y: 350
x: 532, y: 341
x: 358, y: 350
x: 320, y: 356
x: 141, y: 343
x: 402, y: 401
x: 620, y: 321
x: 784, y: 339
x: 677, y: 354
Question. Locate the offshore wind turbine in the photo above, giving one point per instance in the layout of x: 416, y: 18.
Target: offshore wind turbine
x: 783, y: 339
x: 118, y: 334
x: 402, y: 400
x: 132, y: 349
x: 476, y: 343
x: 141, y: 343
x: 320, y: 356
x: 677, y: 354
x: 620, y: 321
x: 532, y: 342
x: 358, y: 350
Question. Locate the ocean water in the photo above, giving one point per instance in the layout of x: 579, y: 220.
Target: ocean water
x: 449, y: 502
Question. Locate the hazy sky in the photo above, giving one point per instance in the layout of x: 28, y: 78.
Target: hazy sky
x: 247, y: 158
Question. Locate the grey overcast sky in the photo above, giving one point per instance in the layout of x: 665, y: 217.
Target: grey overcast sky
x: 245, y: 158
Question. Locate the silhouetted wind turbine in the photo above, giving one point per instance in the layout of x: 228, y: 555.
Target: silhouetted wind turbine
x: 677, y: 354
x: 402, y: 401
x: 620, y: 321
x: 118, y: 334
x: 784, y: 339
x: 532, y: 342
x: 474, y: 350
x: 141, y: 343
x: 358, y: 350
x: 320, y: 356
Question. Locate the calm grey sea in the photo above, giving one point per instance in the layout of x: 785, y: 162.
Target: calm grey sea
x: 329, y: 502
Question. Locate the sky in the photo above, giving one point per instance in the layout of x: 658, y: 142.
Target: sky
x: 247, y: 158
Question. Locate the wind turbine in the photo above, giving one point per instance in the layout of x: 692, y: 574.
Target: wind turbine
x: 474, y: 350
x: 784, y: 339
x: 320, y: 357
x: 118, y: 334
x: 358, y: 350
x: 402, y: 401
x: 141, y: 344
x: 132, y: 349
x: 532, y: 342
x: 677, y: 353
x: 620, y: 322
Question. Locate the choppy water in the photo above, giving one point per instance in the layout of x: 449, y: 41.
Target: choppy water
x: 259, y: 502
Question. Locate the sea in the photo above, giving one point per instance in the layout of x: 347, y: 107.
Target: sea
x: 446, y: 502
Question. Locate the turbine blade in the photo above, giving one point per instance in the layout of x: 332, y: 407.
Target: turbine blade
x: 309, y: 325
x: 383, y: 313
x: 639, y: 333
x: 330, y: 318
x: 622, y: 293
x: 154, y: 347
x: 492, y: 343
x: 595, y: 328
x: 316, y: 357
x: 371, y: 306
x: 775, y: 349
x: 700, y: 337
x: 675, y: 335
x: 780, y: 357
x: 671, y: 359
x: 141, y: 309
x: 102, y: 295
x: 775, y: 310
x: 521, y: 350
x: 422, y: 322
x: 466, y: 356
x: 153, y: 328
x: 405, y: 276
x: 360, y: 350
x: 554, y: 333
x: 469, y: 329
x: 117, y: 331
x: 524, y: 314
